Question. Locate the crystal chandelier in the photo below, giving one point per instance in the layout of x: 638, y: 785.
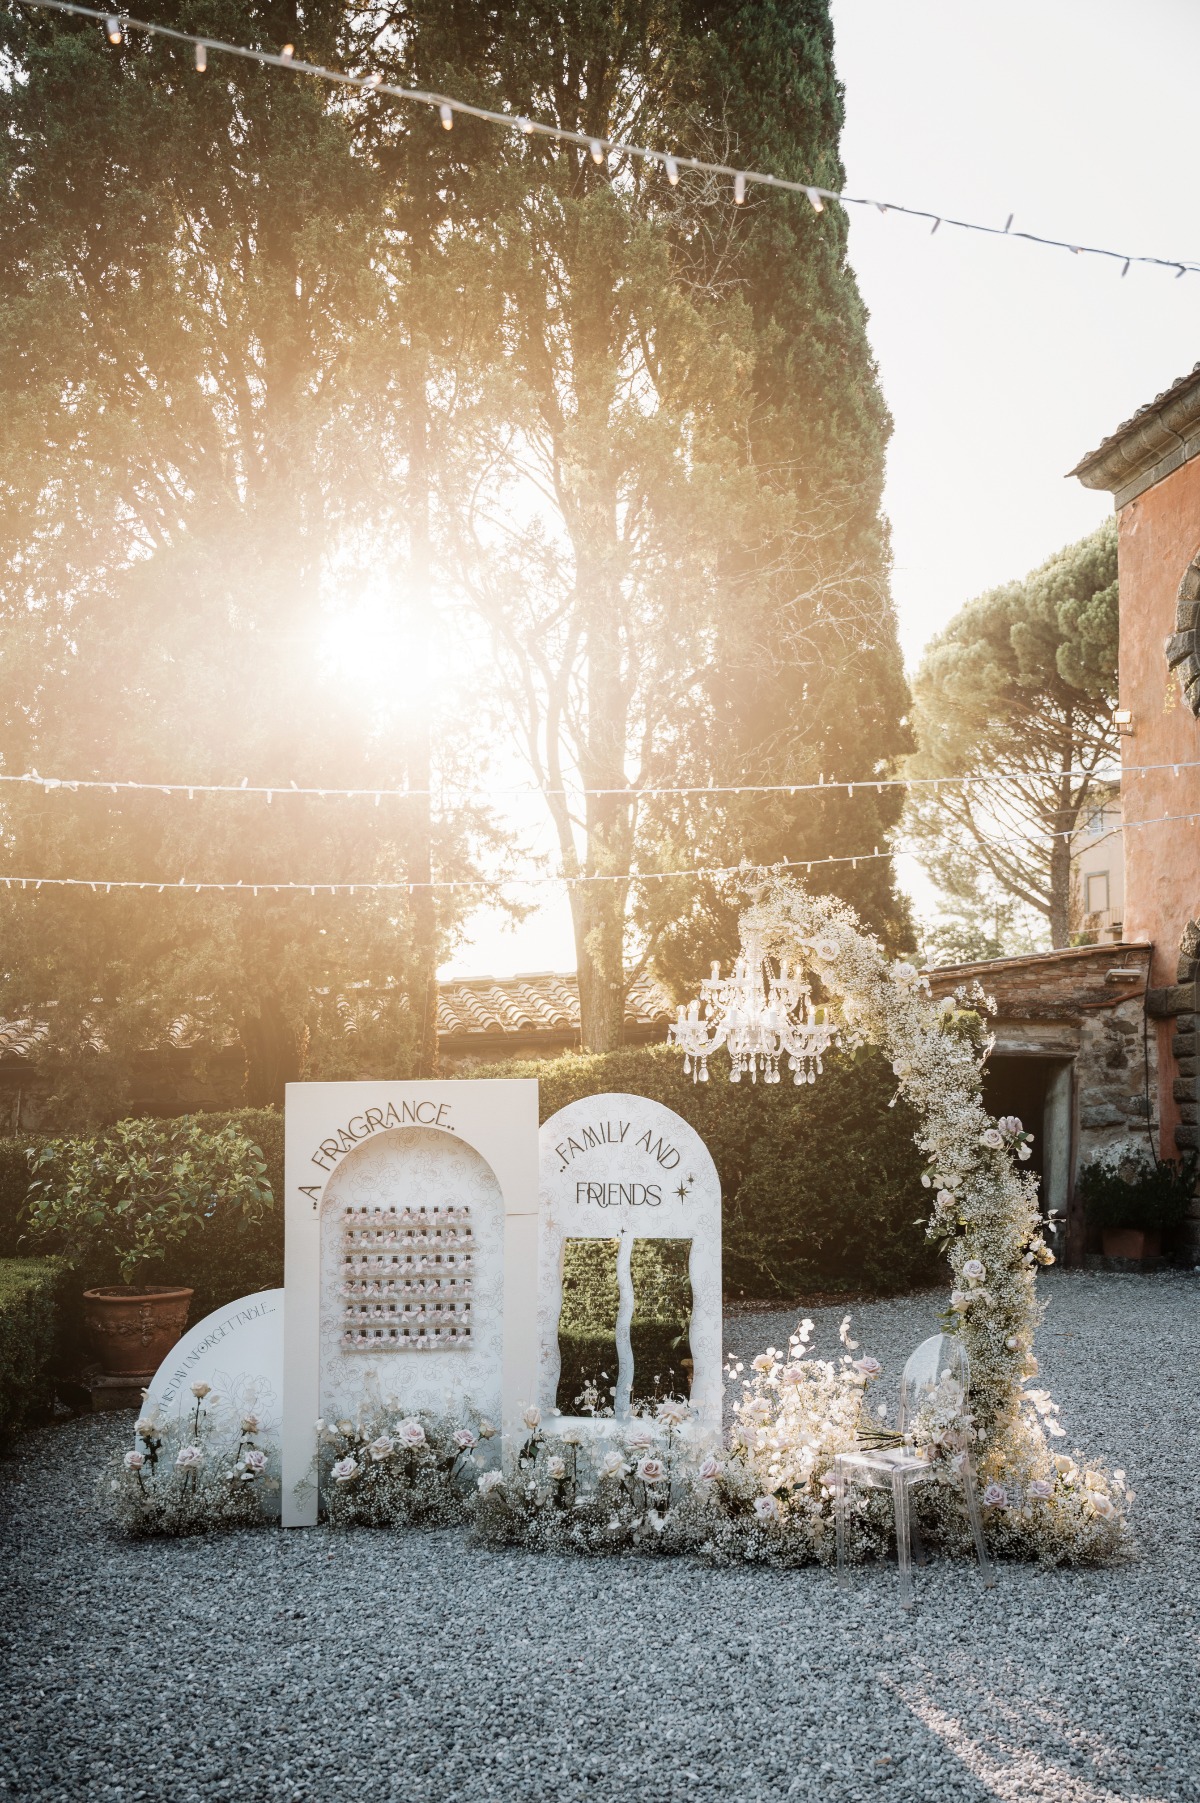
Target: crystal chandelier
x: 764, y: 1019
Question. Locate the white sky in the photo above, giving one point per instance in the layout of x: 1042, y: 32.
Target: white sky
x: 1002, y: 363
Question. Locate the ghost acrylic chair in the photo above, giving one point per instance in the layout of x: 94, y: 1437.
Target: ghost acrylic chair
x: 937, y: 1362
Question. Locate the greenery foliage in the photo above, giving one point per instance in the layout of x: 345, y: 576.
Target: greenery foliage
x: 128, y: 1195
x: 1135, y: 1192
x: 30, y: 1296
x: 1023, y: 681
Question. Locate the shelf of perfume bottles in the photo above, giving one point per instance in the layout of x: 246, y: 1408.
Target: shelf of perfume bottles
x: 393, y: 1339
x: 390, y: 1289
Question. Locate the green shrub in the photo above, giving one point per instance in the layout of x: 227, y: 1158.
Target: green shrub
x: 221, y: 1257
x: 30, y: 1314
x: 1125, y: 1189
x: 130, y: 1193
x: 820, y: 1184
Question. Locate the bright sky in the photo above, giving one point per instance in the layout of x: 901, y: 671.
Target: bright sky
x: 1002, y: 362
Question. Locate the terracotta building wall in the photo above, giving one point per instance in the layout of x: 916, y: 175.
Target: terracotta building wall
x: 1159, y: 535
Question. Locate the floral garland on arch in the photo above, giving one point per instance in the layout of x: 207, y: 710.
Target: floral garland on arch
x: 985, y: 1216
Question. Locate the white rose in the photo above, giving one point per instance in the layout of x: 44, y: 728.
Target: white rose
x: 344, y: 1470
x: 974, y: 1270
x: 905, y: 974
x: 764, y: 1362
x: 826, y: 950
x: 134, y: 1461
x: 791, y: 1376
x: 672, y: 1413
x: 532, y: 1418
x: 250, y: 1424
x: 556, y: 1468
x: 993, y: 1139
x: 572, y: 1434
x: 651, y: 1470
x: 188, y: 1458
x: 1041, y: 1488
x: 640, y: 1439
x: 200, y: 1390
x: 613, y: 1465
x: 960, y: 1301
x: 381, y: 1449
x: 488, y: 1481
x: 146, y: 1428
x: 995, y: 1497
x: 710, y: 1470
x: 465, y: 1439
x: 487, y: 1430
x: 945, y: 1198
x: 868, y: 1368
x: 410, y: 1433
x: 1102, y: 1505
x: 345, y: 1427
x: 254, y: 1461
x: 766, y: 1508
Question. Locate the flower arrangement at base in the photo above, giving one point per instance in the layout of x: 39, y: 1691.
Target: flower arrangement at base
x: 624, y: 1490
x: 388, y: 1469
x: 201, y: 1471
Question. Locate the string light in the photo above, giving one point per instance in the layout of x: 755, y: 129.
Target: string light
x: 446, y: 114
x: 482, y: 885
x: 650, y: 791
x: 817, y: 195
x: 739, y: 188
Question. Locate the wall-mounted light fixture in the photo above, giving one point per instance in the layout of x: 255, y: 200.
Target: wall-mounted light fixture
x: 1123, y: 721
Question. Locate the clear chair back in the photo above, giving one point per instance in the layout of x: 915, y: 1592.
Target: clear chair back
x: 943, y: 1354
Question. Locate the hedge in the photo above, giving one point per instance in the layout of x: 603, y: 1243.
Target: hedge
x: 30, y: 1312
x: 820, y: 1184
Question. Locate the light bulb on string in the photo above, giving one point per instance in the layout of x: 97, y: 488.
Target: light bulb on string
x: 201, y: 59
x: 446, y: 115
x: 373, y: 80
x: 597, y: 150
x: 739, y: 188
x: 288, y: 52
x: 814, y: 200
x: 672, y: 168
x: 112, y: 27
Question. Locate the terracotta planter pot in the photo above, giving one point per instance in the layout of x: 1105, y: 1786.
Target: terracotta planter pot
x: 131, y: 1331
x: 1131, y: 1242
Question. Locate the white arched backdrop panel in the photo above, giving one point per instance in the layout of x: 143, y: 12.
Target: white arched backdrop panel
x: 623, y: 1167
x: 401, y: 1146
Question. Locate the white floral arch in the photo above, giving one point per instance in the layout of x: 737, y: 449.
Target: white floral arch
x: 985, y: 1210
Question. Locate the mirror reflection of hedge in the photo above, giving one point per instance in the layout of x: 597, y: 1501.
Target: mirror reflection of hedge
x: 662, y: 1313
x: 587, y: 1326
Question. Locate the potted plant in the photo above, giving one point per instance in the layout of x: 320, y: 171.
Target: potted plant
x: 1134, y: 1201
x: 115, y: 1203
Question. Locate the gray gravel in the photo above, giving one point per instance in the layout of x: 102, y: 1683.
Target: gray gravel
x: 306, y: 1665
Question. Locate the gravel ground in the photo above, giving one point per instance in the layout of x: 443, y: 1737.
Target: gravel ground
x: 304, y: 1665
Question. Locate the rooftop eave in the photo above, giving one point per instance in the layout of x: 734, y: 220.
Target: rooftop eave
x: 1157, y: 440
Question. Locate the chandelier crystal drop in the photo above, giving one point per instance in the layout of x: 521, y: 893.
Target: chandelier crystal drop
x: 763, y: 1018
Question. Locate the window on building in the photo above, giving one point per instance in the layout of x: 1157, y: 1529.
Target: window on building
x: 1096, y: 892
